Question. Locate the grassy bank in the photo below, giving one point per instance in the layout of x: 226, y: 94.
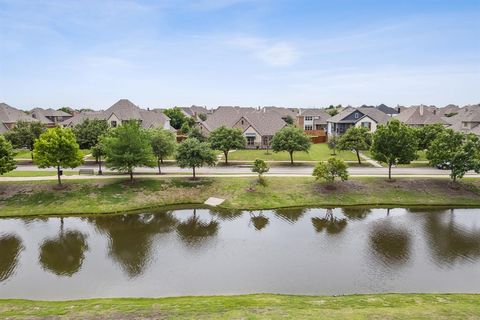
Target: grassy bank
x: 265, y: 306
x: 116, y: 195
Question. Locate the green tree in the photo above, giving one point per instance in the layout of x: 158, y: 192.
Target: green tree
x: 331, y: 169
x: 66, y: 109
x: 260, y: 167
x: 163, y: 144
x: 202, y: 116
x: 192, y: 153
x: 455, y: 150
x: 98, y: 151
x: 127, y: 147
x: 177, y: 117
x: 332, y: 144
x: 291, y: 139
x: 24, y: 134
x: 57, y: 147
x: 332, y: 112
x: 355, y: 139
x: 226, y: 139
x: 394, y: 143
x: 89, y: 131
x: 197, y: 134
x: 426, y: 134
x: 185, y: 129
x: 7, y: 163
x: 289, y: 120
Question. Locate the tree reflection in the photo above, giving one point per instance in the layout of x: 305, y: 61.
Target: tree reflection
x: 64, y: 254
x: 356, y: 213
x: 10, y: 248
x: 226, y: 214
x: 449, y: 242
x: 259, y: 221
x: 330, y: 223
x: 290, y: 215
x: 390, y: 244
x: 194, y: 231
x: 131, y: 237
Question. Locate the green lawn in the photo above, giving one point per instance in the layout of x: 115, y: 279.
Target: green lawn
x: 318, y: 152
x: 90, y: 196
x: 25, y: 154
x: 422, y: 155
x: 258, y: 306
x: 18, y: 173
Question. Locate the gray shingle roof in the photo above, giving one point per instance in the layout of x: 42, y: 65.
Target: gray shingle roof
x: 9, y: 114
x: 124, y: 109
x: 372, y: 113
x: 79, y: 118
x: 416, y: 116
x: 266, y: 123
x: 225, y: 116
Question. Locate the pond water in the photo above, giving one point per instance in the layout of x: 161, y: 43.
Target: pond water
x: 204, y: 252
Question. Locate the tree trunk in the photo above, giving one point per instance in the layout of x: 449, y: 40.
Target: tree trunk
x: 131, y: 175
x: 358, y: 157
x: 389, y: 171
x: 58, y: 176
x: 226, y: 156
x: 100, y: 172
x: 193, y: 172
x: 161, y: 160
x: 158, y: 164
x: 291, y: 157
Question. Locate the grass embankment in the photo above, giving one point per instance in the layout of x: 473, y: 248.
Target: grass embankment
x: 260, y: 306
x: 318, y: 152
x: 116, y: 195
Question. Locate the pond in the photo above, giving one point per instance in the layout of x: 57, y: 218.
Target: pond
x: 205, y: 252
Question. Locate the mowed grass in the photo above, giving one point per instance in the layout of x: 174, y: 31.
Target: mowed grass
x: 421, y: 155
x: 258, y: 306
x: 17, y: 173
x: 318, y: 152
x: 119, y: 195
x: 26, y: 154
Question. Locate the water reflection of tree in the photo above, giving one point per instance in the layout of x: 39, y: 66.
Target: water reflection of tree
x: 131, y: 237
x: 390, y: 244
x: 290, y: 215
x: 10, y: 248
x: 226, y: 214
x: 330, y: 223
x: 356, y: 213
x: 64, y: 254
x: 448, y: 241
x: 194, y: 231
x: 259, y: 221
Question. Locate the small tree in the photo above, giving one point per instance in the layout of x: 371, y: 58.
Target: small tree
x: 7, y: 162
x: 289, y: 120
x: 24, y: 134
x: 291, y: 139
x: 192, y: 153
x: 202, y: 116
x: 185, y: 128
x: 455, y: 150
x: 127, y: 147
x: 57, y: 147
x: 89, y: 131
x: 226, y: 139
x: 394, y: 143
x: 163, y: 144
x: 333, y: 144
x: 260, y: 167
x: 197, y: 134
x: 177, y: 117
x: 98, y: 151
x: 426, y: 134
x: 330, y: 170
x: 355, y: 139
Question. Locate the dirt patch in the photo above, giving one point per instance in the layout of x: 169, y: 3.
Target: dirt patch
x: 339, y: 186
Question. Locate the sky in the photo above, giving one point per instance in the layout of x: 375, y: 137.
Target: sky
x: 164, y: 53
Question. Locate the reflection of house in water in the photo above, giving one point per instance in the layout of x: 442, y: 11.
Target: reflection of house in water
x: 194, y: 231
x: 131, y: 237
x: 390, y: 244
x: 259, y: 221
x: 449, y: 241
x: 64, y: 254
x: 330, y: 223
x: 10, y: 248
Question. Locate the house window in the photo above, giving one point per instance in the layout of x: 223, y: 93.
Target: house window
x: 308, y: 127
x: 367, y: 125
x: 357, y: 115
x: 308, y: 118
x: 465, y: 124
x: 242, y: 121
x: 266, y: 140
x: 113, y: 123
x: 250, y: 140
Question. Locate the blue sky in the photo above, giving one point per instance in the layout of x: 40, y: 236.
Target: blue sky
x: 239, y: 52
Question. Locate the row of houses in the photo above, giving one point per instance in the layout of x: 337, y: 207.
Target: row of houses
x: 260, y: 124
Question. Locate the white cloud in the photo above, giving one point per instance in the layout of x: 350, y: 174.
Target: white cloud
x: 272, y: 52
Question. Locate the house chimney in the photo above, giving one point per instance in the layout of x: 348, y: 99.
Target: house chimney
x: 421, y: 110
x: 435, y: 111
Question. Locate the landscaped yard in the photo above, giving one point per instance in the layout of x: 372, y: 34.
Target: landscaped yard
x: 318, y: 152
x: 25, y: 154
x: 259, y: 306
x: 116, y: 195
